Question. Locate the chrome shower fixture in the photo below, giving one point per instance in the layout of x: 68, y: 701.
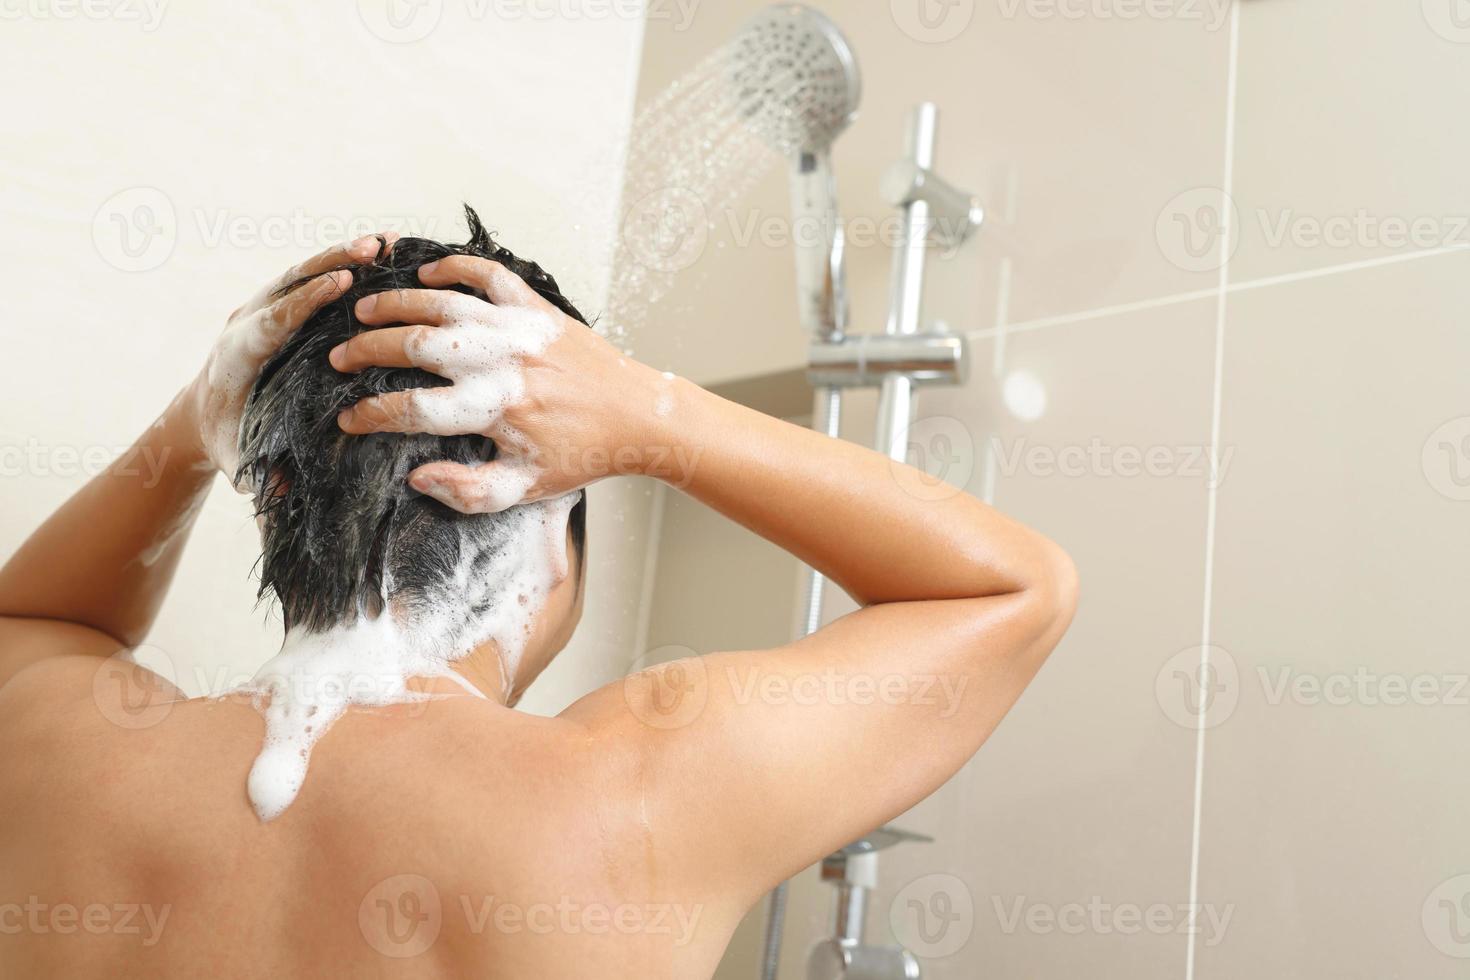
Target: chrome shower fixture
x: 853, y: 872
x: 795, y: 81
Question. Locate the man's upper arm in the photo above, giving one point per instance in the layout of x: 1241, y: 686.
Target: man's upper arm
x: 27, y: 641
x: 761, y: 762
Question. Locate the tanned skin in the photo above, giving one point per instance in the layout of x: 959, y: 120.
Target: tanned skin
x: 624, y: 838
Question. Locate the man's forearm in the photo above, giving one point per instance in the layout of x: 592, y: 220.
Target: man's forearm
x: 106, y: 557
x: 875, y: 527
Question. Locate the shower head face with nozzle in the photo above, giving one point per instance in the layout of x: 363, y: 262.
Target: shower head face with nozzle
x: 794, y: 78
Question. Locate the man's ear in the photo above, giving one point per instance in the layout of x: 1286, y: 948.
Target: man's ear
x: 278, y: 484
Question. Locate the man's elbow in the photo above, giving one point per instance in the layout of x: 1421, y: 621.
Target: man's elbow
x: 1052, y: 594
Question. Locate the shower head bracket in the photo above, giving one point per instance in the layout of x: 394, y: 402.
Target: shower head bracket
x: 952, y: 215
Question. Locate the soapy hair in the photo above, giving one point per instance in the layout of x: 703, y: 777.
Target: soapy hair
x: 344, y: 533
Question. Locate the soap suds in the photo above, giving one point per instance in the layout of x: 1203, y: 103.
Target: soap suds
x: 182, y: 523
x: 663, y: 405
x: 484, y: 356
x: 316, y: 677
x: 247, y: 342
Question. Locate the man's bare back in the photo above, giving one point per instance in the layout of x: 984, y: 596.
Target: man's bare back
x: 455, y: 836
x: 486, y: 842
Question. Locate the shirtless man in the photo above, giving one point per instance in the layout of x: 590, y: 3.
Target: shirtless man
x: 456, y: 836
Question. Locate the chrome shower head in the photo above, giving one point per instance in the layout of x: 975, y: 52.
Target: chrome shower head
x: 794, y: 78
x: 795, y: 81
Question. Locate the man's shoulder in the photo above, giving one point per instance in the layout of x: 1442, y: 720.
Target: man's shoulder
x: 453, y: 762
x: 77, y: 683
x: 27, y: 642
x: 84, y: 726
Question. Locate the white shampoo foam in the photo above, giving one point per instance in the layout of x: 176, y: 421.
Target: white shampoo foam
x: 316, y: 676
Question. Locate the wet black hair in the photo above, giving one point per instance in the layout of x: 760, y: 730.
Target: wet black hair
x: 343, y: 530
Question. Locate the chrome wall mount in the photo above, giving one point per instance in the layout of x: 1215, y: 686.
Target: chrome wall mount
x: 864, y: 360
x: 924, y: 200
x: 953, y: 214
x: 853, y: 871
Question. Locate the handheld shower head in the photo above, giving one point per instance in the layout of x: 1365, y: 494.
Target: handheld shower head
x: 795, y: 81
x: 795, y: 78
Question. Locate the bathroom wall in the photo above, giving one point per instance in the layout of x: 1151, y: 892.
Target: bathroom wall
x: 1217, y: 232
x: 163, y: 160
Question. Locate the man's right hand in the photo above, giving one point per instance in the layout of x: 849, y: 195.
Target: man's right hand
x: 562, y: 404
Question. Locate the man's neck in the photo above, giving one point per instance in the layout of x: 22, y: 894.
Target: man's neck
x: 469, y: 672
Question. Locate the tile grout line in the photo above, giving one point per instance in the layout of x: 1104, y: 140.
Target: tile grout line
x: 1173, y: 299
x: 1212, y: 491
x: 997, y: 365
x: 1097, y: 313
x: 1305, y: 275
x: 644, y: 624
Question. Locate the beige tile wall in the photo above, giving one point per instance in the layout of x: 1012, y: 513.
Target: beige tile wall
x: 1334, y: 785
x: 1322, y: 367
